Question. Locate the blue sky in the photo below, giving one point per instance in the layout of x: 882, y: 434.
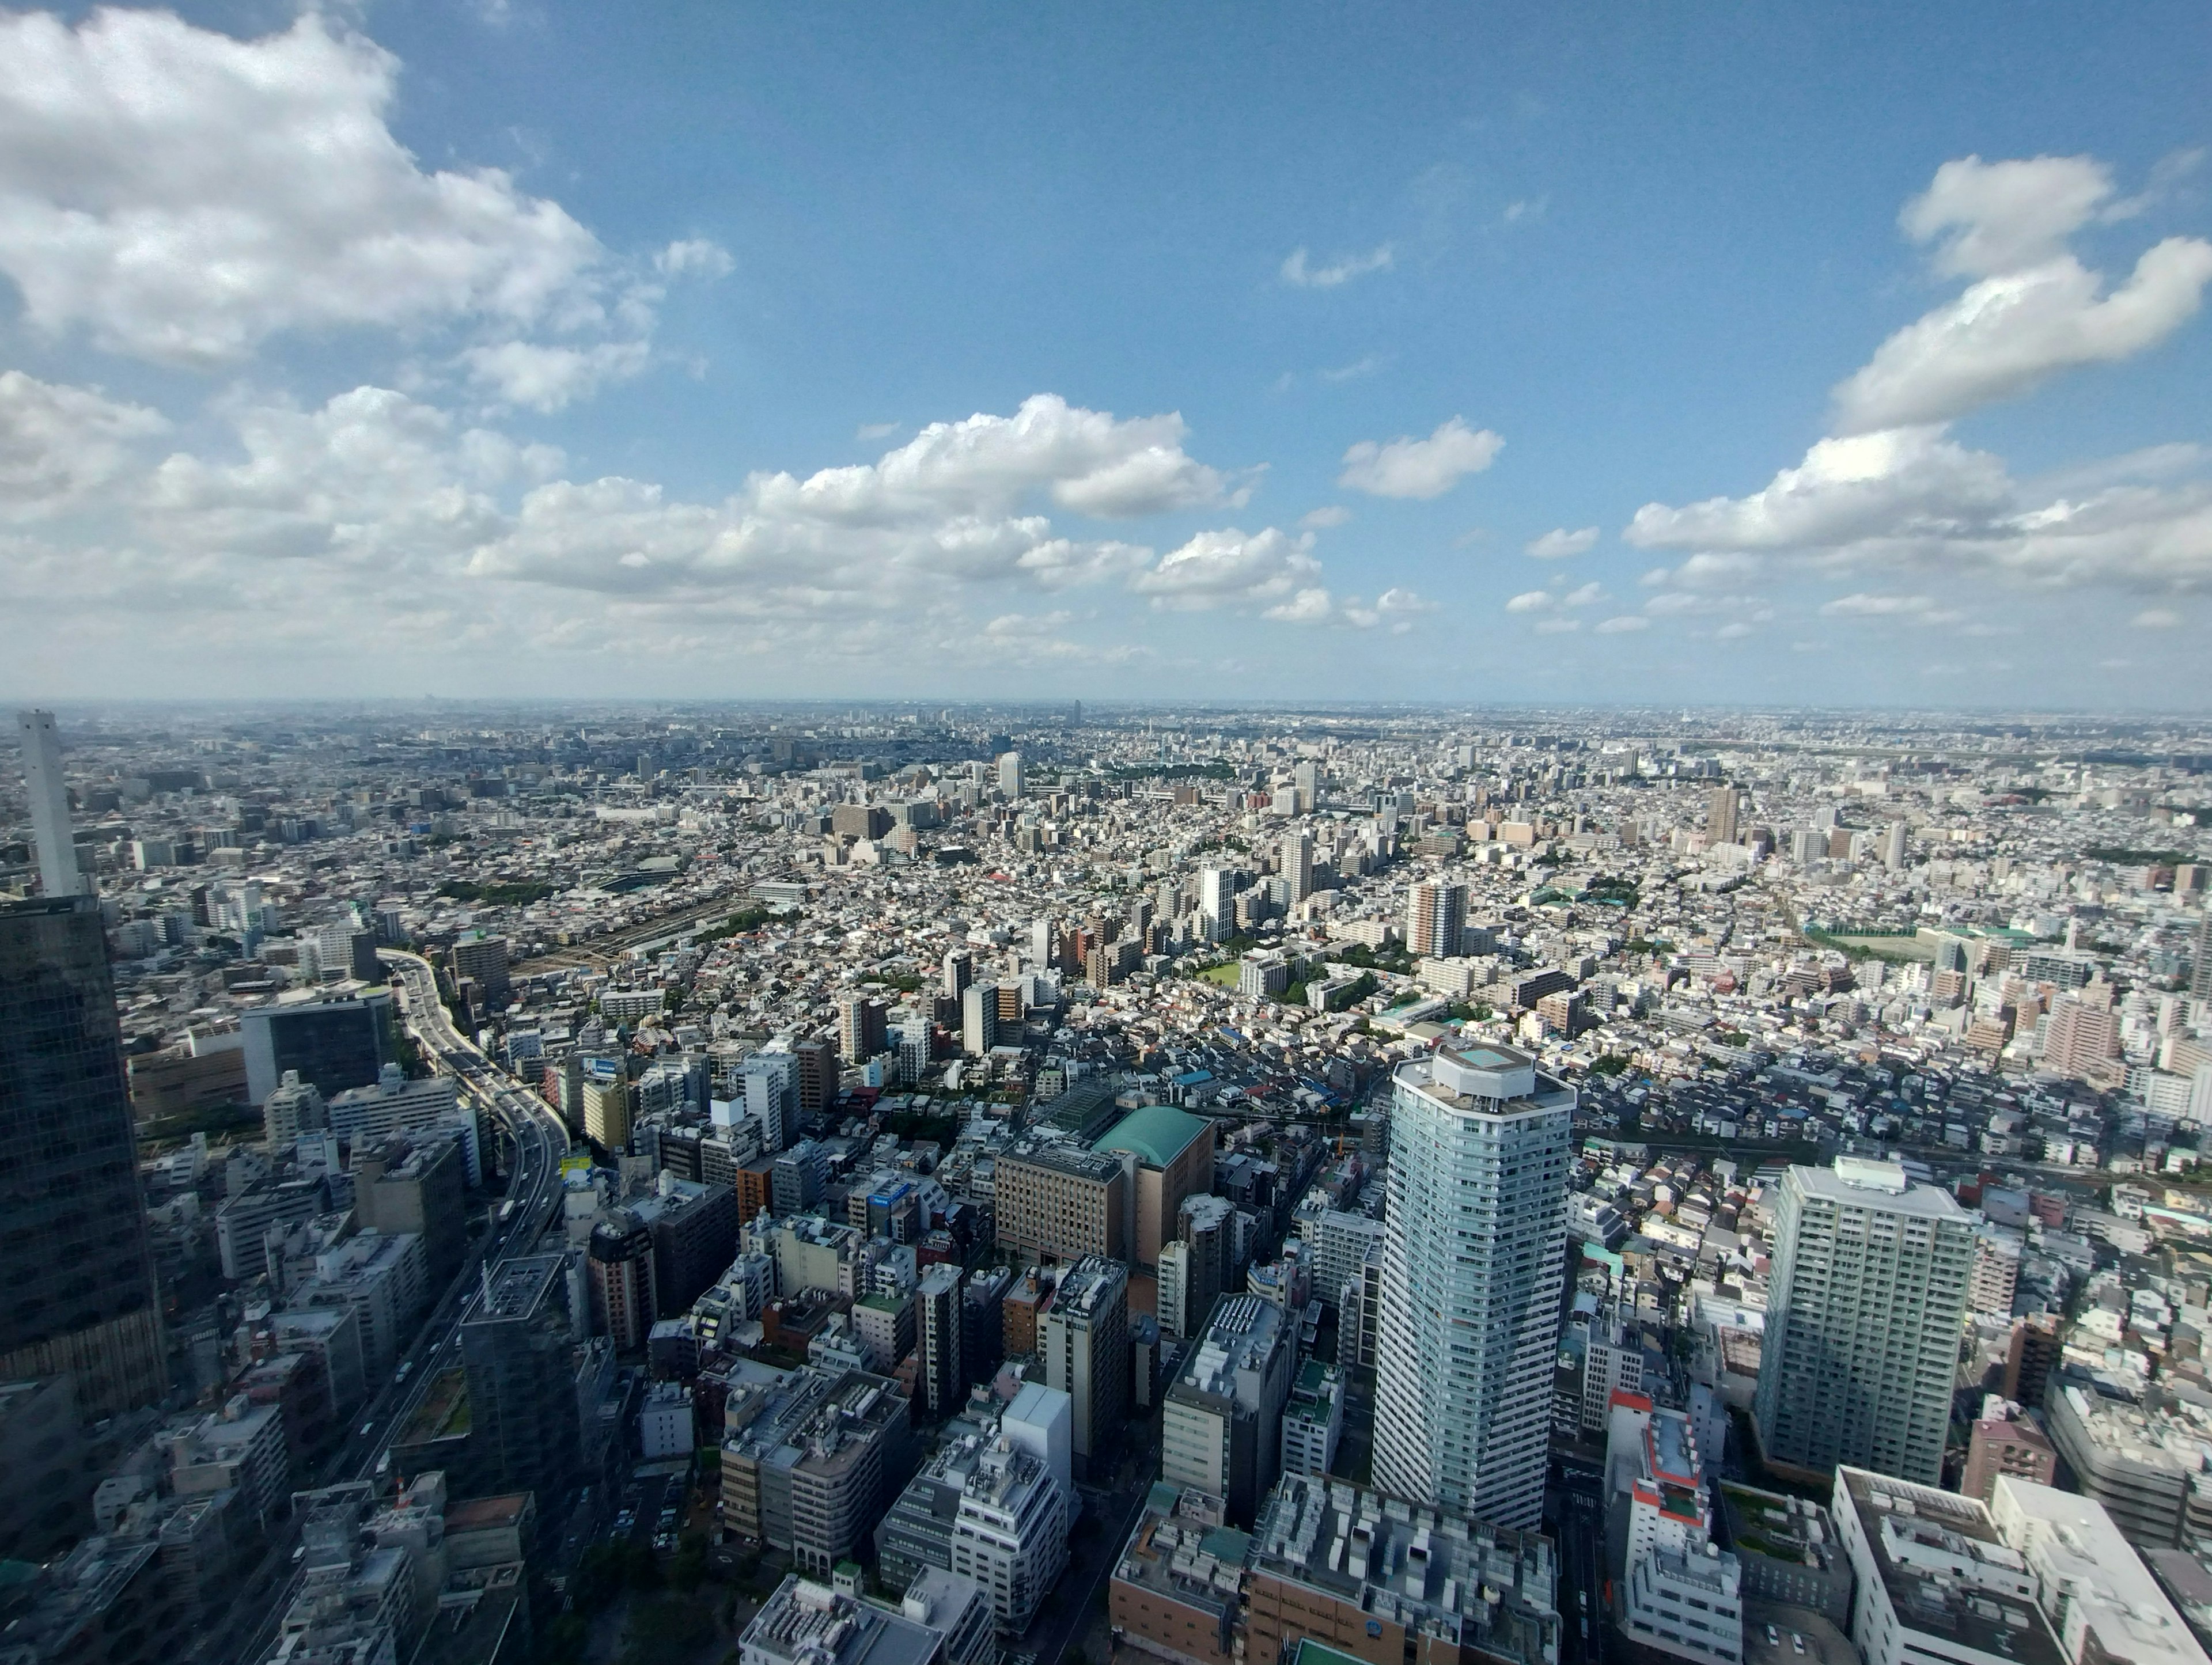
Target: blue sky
x: 1109, y: 352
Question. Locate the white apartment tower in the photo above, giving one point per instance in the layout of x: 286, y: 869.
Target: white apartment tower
x: 1473, y: 1253
x: 1864, y: 1311
x: 1297, y: 866
x: 1435, y: 915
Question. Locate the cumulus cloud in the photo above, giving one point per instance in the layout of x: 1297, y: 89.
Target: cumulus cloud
x: 1531, y: 601
x: 548, y: 379
x: 1407, y: 467
x: 1230, y: 568
x: 1299, y: 271
x: 1887, y: 484
x: 2157, y: 618
x: 182, y: 195
x: 1328, y: 514
x: 59, y: 444
x: 1622, y: 624
x: 1559, y: 543
x: 1913, y: 609
x: 2033, y: 309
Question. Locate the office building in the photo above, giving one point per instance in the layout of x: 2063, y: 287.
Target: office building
x: 942, y: 1378
x: 979, y: 1018
x: 1337, y: 1244
x: 1170, y: 1156
x: 1683, y: 1594
x: 1473, y: 1253
x: 414, y: 1182
x: 47, y: 1503
x: 1383, y: 1580
x: 81, y: 1293
x: 1056, y: 1201
x: 1221, y: 1419
x: 1010, y: 1532
x: 1892, y: 846
x: 1085, y: 1338
x: 1866, y: 1298
x: 525, y: 1428
x: 2140, y: 1461
x: 1177, y: 1585
x: 806, y: 1623
x: 394, y: 1105
x: 609, y: 1106
x: 242, y: 1223
x: 382, y: 1280
x: 1010, y: 774
x: 2100, y: 1600
x: 336, y: 1044
x: 816, y: 1468
x: 1435, y: 915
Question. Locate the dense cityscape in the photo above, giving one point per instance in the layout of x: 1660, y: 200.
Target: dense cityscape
x: 1023, y: 1184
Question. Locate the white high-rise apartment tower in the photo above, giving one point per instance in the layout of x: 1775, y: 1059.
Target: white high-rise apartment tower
x: 59, y: 874
x: 1297, y: 866
x: 1435, y: 917
x: 1217, y: 902
x: 1010, y: 774
x: 1864, y: 1307
x: 1474, y: 1254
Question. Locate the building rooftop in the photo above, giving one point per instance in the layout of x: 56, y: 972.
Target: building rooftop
x: 1428, y: 1571
x: 514, y: 1288
x: 1947, y: 1570
x: 1090, y: 1281
x: 1241, y: 1333
x: 1061, y: 1158
x: 1157, y: 1132
x: 804, y: 1623
x: 1177, y: 1550
x: 2074, y: 1547
x: 1867, y: 1185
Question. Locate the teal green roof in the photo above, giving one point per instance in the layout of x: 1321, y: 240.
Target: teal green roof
x: 1311, y: 1652
x: 1158, y: 1133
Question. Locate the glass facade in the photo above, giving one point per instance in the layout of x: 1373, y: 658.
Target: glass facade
x: 81, y: 1293
x: 1474, y: 1263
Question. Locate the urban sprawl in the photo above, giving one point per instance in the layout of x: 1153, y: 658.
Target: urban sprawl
x: 1019, y: 1185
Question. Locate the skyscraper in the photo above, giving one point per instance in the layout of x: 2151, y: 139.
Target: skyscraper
x: 1892, y: 846
x: 50, y: 816
x: 1297, y: 867
x: 862, y: 1027
x: 979, y: 1018
x: 1010, y: 774
x: 522, y: 1393
x: 1435, y: 915
x: 1217, y: 902
x: 1473, y: 1255
x: 1863, y: 1312
x: 1085, y: 1339
x: 1721, y: 816
x: 2200, y: 968
x: 81, y: 1294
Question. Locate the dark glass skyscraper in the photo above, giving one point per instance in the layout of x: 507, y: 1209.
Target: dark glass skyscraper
x: 522, y: 1386
x: 79, y: 1292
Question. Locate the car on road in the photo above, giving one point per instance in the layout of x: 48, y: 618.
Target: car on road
x: 1773, y: 1636
x: 1796, y: 1643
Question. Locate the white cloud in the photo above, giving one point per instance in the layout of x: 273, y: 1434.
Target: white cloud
x: 1622, y: 624
x: 1299, y: 273
x: 1230, y: 568
x: 1559, y: 543
x: 183, y: 195
x: 2010, y: 332
x: 2157, y: 618
x: 2033, y: 309
x: 1530, y: 601
x: 695, y: 257
x: 1588, y: 595
x: 60, y: 444
x: 2004, y: 215
x: 877, y: 430
x: 548, y: 379
x: 1407, y: 467
x: 1865, y: 605
x: 1395, y: 607
x: 1885, y: 484
x: 1550, y: 627
x: 1314, y: 606
x: 1328, y: 514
